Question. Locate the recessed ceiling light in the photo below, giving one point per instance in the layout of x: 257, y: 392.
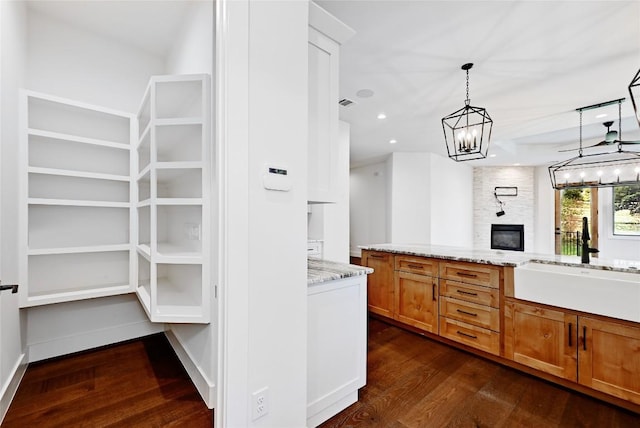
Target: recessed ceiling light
x: 392, y: 141
x: 601, y: 115
x: 382, y: 116
x: 365, y: 93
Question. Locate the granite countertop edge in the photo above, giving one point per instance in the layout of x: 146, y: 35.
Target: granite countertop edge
x: 319, y: 271
x: 503, y: 258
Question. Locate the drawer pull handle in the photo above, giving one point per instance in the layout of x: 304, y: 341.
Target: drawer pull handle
x: 433, y: 290
x: 467, y: 313
x: 468, y: 293
x: 584, y: 338
x: 412, y: 266
x: 376, y: 256
x: 468, y: 275
x: 467, y: 335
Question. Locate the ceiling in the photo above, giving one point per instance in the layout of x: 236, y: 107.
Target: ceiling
x: 535, y: 62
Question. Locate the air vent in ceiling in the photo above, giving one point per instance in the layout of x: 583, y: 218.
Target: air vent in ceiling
x: 345, y: 102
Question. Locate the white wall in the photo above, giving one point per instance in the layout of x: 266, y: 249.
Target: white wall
x: 518, y: 209
x: 73, y: 63
x: 196, y: 345
x: 263, y: 86
x: 410, y: 199
x: 544, y: 237
x: 451, y: 202
x: 368, y: 202
x: 330, y: 222
x: 12, y: 63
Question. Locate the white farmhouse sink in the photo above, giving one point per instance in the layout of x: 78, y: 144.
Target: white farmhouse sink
x: 604, y: 292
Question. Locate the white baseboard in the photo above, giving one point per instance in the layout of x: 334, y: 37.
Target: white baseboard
x: 10, y: 387
x: 355, y: 252
x: 204, y: 385
x: 91, y: 339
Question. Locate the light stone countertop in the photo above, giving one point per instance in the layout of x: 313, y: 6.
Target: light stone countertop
x: 319, y: 270
x: 503, y: 258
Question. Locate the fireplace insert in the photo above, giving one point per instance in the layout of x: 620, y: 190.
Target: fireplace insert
x: 507, y: 237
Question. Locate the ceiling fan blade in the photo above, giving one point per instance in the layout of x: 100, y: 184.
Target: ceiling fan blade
x: 601, y: 143
x: 628, y: 142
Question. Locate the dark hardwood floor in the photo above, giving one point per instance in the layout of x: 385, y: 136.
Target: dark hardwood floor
x: 415, y: 382
x: 134, y: 384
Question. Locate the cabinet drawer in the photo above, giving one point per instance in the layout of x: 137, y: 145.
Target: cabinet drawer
x: 470, y: 293
x: 471, y: 273
x: 476, y: 337
x: 419, y: 265
x: 478, y: 315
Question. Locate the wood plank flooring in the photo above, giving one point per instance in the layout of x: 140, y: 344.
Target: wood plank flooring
x: 415, y: 382
x: 139, y: 383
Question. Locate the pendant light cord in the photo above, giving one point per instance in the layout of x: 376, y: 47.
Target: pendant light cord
x: 466, y: 102
x: 580, y: 151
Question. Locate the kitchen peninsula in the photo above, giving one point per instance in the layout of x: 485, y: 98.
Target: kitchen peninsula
x: 337, y: 337
x: 518, y: 309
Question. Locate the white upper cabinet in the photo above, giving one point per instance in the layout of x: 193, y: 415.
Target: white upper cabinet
x: 326, y: 34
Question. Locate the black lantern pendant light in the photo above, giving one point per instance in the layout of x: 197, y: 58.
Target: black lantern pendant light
x: 634, y: 92
x: 467, y: 131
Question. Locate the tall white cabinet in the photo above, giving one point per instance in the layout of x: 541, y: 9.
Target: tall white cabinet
x: 173, y: 205
x: 114, y: 203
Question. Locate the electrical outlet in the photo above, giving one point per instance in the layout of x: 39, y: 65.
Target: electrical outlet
x: 192, y: 231
x: 260, y: 403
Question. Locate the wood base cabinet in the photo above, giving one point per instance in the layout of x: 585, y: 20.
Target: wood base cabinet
x: 601, y: 354
x: 416, y: 301
x: 380, y: 282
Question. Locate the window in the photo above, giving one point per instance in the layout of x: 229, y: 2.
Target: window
x: 626, y: 210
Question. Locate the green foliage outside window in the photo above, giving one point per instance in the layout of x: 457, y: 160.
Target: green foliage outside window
x: 626, y: 210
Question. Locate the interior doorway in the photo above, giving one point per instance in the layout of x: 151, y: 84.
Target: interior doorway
x: 571, y: 205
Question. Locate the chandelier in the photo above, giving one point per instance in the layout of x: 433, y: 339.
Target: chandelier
x: 610, y: 168
x: 467, y: 131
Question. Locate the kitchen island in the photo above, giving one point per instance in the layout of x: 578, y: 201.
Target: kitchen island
x: 337, y: 337
x: 492, y: 303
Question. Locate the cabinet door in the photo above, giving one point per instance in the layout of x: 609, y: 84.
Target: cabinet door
x: 609, y: 358
x: 541, y: 338
x: 380, y: 282
x: 416, y: 300
x: 323, y: 117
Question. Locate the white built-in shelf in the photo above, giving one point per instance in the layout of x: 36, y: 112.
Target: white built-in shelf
x: 173, y: 199
x: 76, y: 199
x: 78, y: 250
x: 77, y: 139
x: 79, y: 174
x: 178, y: 201
x: 77, y: 203
x: 179, y: 121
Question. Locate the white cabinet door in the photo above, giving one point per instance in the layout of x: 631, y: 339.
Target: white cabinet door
x: 323, y: 117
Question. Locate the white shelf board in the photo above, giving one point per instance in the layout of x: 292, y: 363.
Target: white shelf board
x: 180, y: 165
x: 56, y: 99
x: 197, y: 120
x: 77, y: 139
x: 77, y: 294
x: 79, y: 174
x: 178, y: 201
x: 145, y: 131
x: 145, y: 251
x: 144, y: 172
x: 143, y: 291
x: 168, y: 253
x: 145, y: 203
x: 79, y: 250
x: 77, y: 203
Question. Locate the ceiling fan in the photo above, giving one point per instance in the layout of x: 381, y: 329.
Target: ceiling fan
x: 610, y: 138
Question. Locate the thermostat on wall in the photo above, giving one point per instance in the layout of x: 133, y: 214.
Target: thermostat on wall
x: 276, y: 178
